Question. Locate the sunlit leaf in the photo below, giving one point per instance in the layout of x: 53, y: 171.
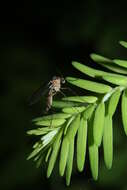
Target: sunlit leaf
x: 124, y: 110
x: 63, y: 155
x: 81, y: 144
x: 69, y: 162
x: 52, y: 122
x: 93, y: 156
x: 74, y: 110
x: 36, y: 144
x: 88, y: 70
x: 113, y: 101
x: 68, y: 123
x: 108, y: 141
x: 53, y: 116
x: 118, y: 80
x: 48, y: 154
x: 88, y: 111
x: 89, y: 85
x: 72, y: 129
x: 35, y: 151
x: 98, y: 123
x: 93, y: 150
x: 82, y: 99
x: 54, y: 153
x: 122, y: 63
x: 37, y: 131
x: 100, y: 59
x: 46, y: 139
x: 108, y: 63
x: 63, y: 104
x: 123, y: 43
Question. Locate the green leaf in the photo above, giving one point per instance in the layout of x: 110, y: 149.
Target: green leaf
x: 93, y: 150
x: 39, y: 161
x: 93, y: 156
x: 97, y: 73
x: 107, y: 63
x: 63, y: 104
x: 74, y: 110
x: 48, y: 154
x: 72, y: 129
x: 68, y: 124
x: 124, y: 110
x: 123, y: 43
x: 113, y: 102
x: 88, y: 111
x: 54, y: 154
x: 108, y: 141
x: 98, y: 123
x: 89, y: 85
x: 115, y: 68
x: 37, y: 131
x: 63, y: 155
x: 37, y: 144
x: 122, y: 63
x: 52, y: 122
x: 82, y: 99
x: 69, y: 162
x: 35, y: 151
x: 118, y: 80
x: 100, y: 59
x: 53, y: 116
x: 88, y: 70
x: 37, y: 157
x: 81, y: 144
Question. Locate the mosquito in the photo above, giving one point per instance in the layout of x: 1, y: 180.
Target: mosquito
x: 51, y: 89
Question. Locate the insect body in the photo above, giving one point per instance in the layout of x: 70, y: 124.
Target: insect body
x: 51, y: 89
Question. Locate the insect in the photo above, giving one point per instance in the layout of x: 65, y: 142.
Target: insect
x: 51, y: 89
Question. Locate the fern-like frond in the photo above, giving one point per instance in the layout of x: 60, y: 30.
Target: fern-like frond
x: 84, y: 121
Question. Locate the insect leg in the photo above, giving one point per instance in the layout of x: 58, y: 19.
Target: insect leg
x: 49, y: 102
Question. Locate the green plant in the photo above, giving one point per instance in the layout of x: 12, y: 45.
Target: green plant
x: 83, y: 120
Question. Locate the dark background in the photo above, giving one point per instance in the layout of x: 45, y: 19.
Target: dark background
x: 39, y: 39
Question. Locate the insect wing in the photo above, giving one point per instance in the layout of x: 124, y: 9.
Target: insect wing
x: 44, y: 89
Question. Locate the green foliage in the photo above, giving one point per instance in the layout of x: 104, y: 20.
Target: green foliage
x: 89, y: 85
x: 81, y: 144
x: 70, y: 162
x: 83, y: 118
x: 98, y: 123
x: 93, y: 150
x: 108, y: 63
x: 124, y: 110
x: 108, y: 141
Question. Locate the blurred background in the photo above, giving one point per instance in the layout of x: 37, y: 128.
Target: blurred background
x: 39, y: 39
